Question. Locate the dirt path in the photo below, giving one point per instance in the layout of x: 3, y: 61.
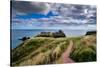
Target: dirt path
x: 66, y: 54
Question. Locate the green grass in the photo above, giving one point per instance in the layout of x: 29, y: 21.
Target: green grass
x: 46, y: 50
x: 84, y: 54
x: 84, y: 50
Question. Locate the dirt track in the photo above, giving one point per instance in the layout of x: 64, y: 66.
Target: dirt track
x: 65, y: 56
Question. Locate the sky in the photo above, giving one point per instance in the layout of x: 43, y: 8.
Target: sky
x: 40, y: 15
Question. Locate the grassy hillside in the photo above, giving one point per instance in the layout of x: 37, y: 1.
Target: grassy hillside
x: 48, y: 50
x: 85, y: 49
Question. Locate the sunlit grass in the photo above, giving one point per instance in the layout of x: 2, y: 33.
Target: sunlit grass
x: 48, y: 50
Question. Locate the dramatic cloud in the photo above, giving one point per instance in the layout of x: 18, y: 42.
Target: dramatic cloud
x: 31, y: 7
x: 54, y: 14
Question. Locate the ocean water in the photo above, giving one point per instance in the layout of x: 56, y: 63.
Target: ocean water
x: 16, y: 34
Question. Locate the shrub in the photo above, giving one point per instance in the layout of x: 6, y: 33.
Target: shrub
x: 84, y: 54
x: 93, y: 47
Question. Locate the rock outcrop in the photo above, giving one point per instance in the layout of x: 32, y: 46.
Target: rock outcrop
x: 91, y: 32
x: 52, y: 34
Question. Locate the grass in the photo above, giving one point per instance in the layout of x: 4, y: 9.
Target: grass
x: 48, y: 50
x: 84, y: 54
x: 84, y: 49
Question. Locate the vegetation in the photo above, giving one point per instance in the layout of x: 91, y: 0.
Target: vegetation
x: 85, y: 50
x: 47, y: 50
x: 39, y: 46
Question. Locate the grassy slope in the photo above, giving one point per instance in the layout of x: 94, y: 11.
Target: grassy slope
x: 47, y: 50
x: 85, y: 49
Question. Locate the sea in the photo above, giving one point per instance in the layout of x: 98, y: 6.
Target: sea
x: 17, y: 34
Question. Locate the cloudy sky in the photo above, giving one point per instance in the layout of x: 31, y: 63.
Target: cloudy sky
x: 34, y: 15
